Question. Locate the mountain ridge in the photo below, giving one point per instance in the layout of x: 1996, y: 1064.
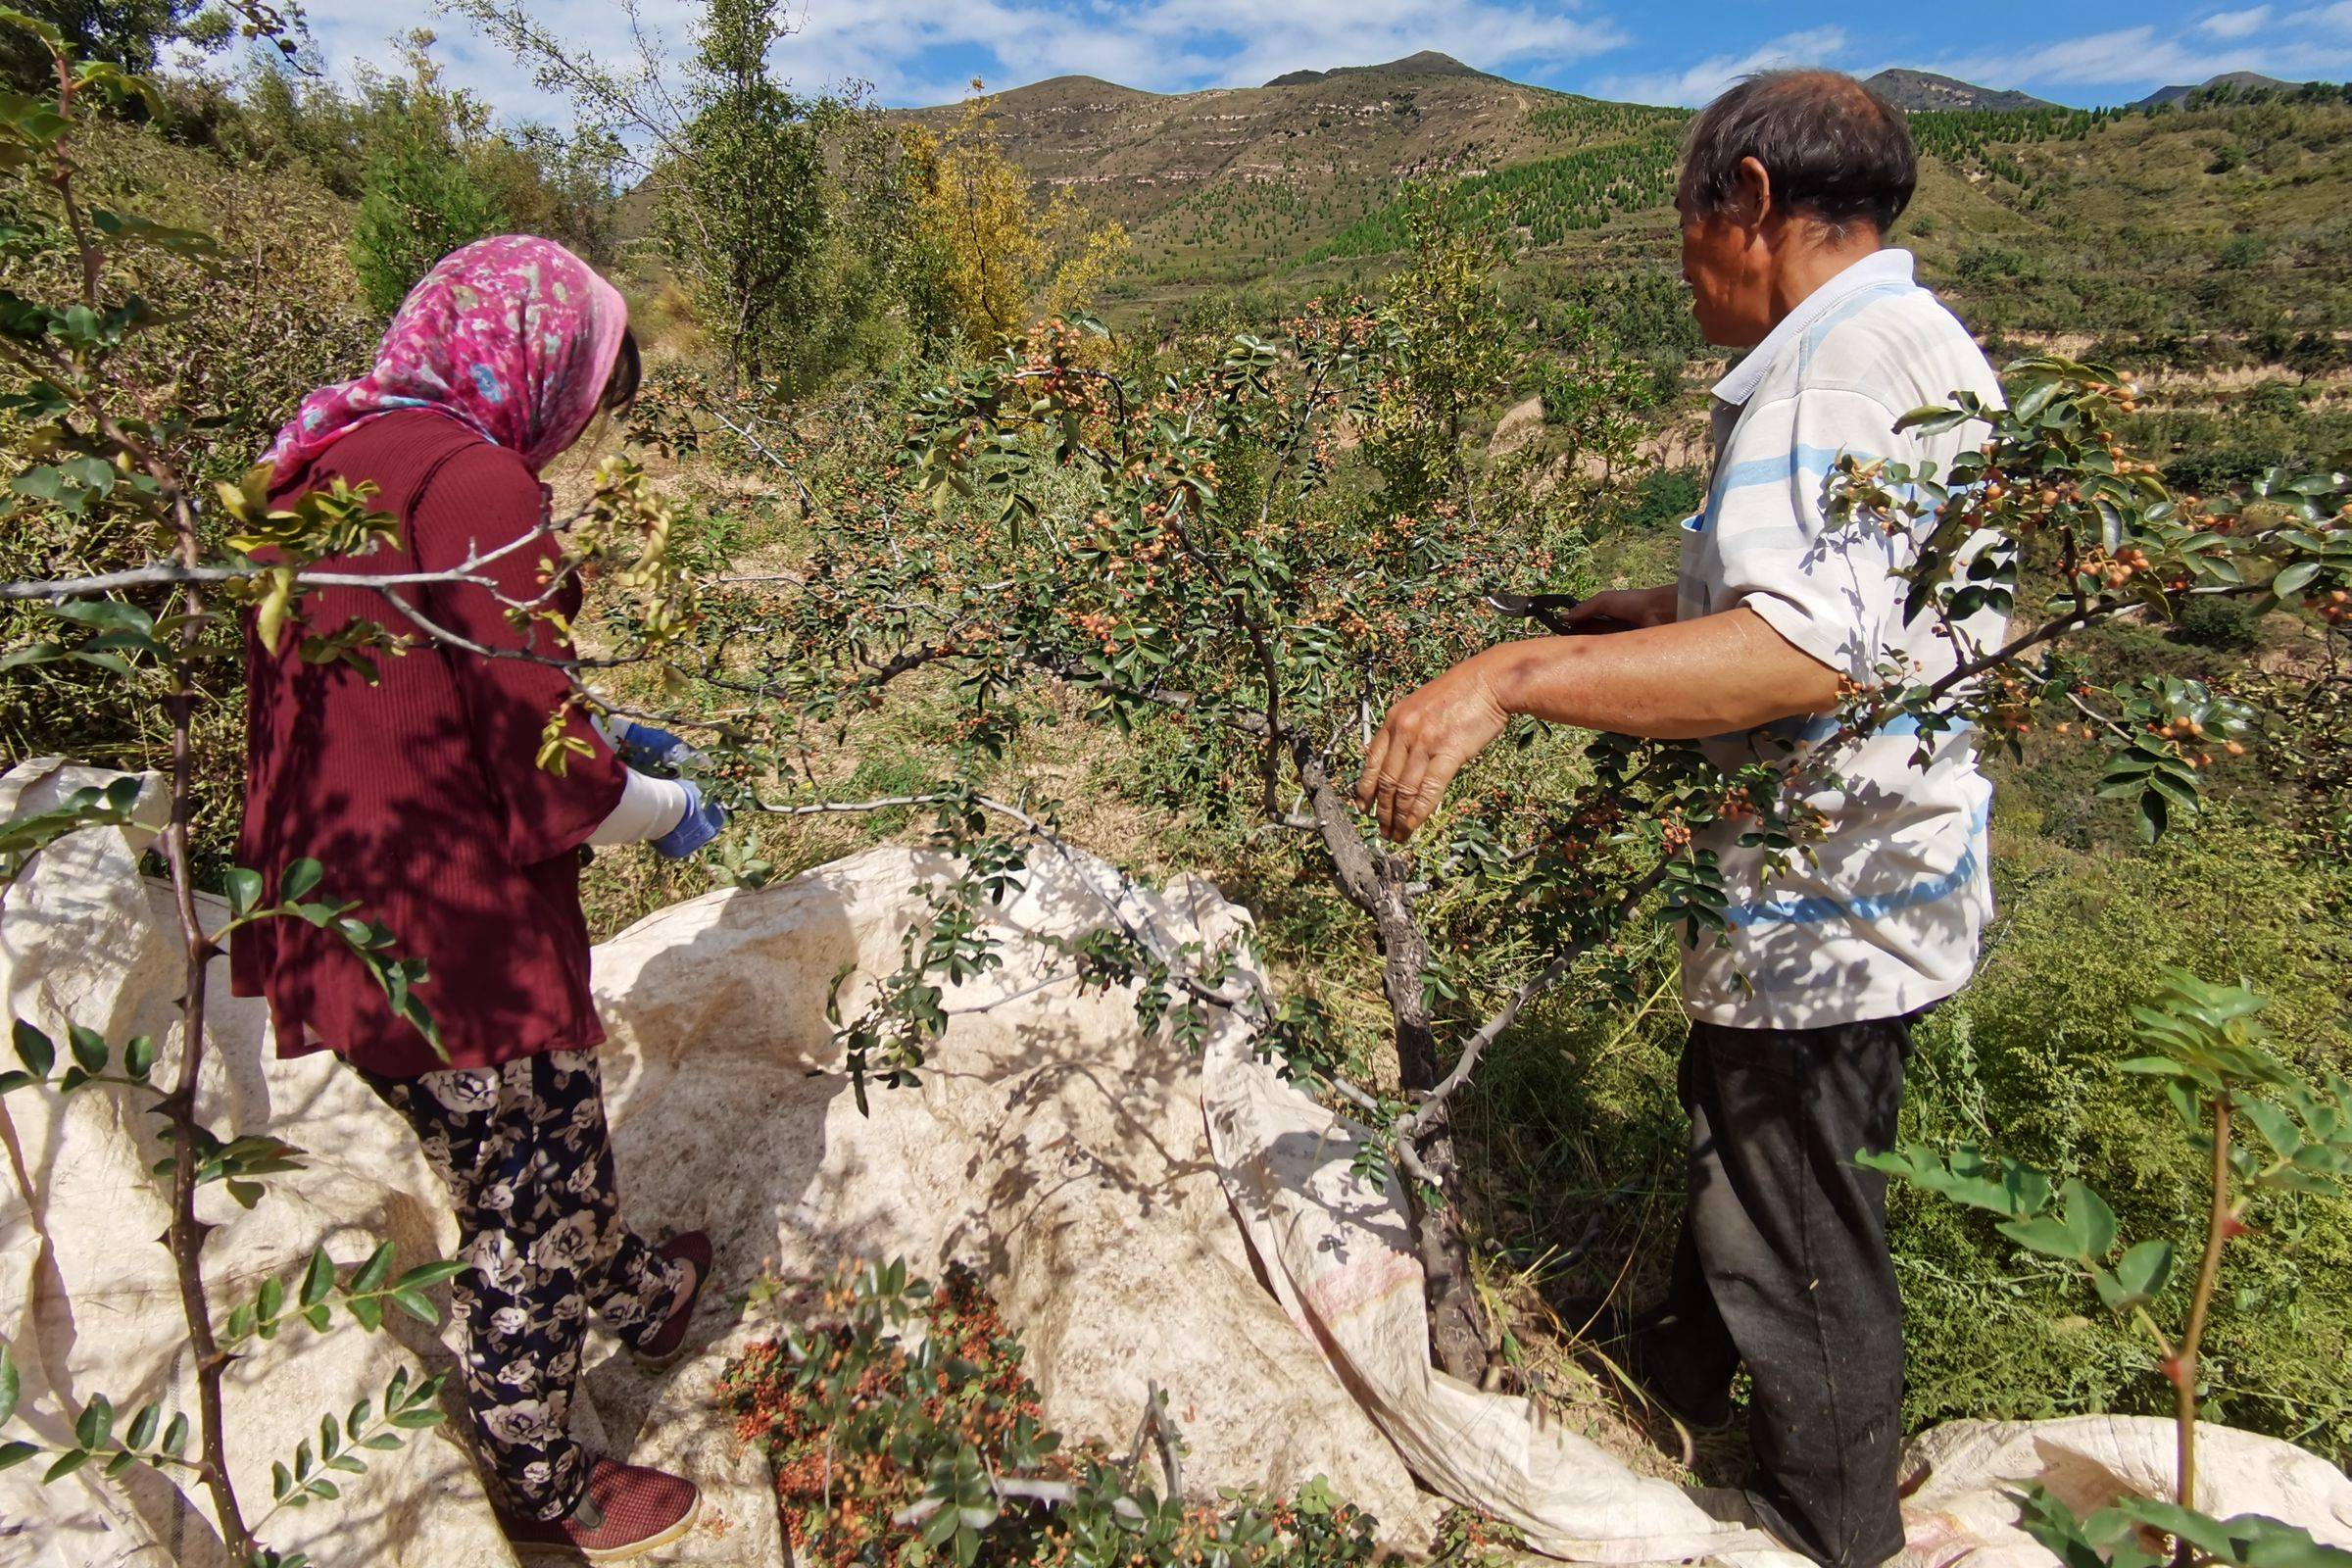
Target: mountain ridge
x: 1423, y: 63
x: 2231, y: 81
x: 1913, y: 91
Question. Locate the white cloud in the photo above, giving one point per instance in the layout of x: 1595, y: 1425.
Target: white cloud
x: 2236, y: 24
x: 2145, y: 56
x: 1817, y: 46
x: 1316, y: 34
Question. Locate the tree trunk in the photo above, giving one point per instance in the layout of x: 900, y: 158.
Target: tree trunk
x: 1375, y: 884
x: 1457, y: 1324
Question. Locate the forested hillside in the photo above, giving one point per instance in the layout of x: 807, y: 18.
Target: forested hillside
x: 2215, y: 223
x: 1085, y: 467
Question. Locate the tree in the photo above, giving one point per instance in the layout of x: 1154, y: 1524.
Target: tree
x: 1445, y: 356
x: 782, y: 215
x: 983, y: 259
x: 419, y: 199
x: 1165, y: 548
x: 2210, y: 1051
x: 93, y: 459
x: 743, y: 212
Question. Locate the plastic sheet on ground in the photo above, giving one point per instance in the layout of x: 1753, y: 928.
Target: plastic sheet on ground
x: 1145, y: 1213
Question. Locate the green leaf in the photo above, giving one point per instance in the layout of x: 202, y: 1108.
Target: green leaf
x: 2042, y: 1234
x: 244, y: 890
x: 143, y: 1425
x: 33, y: 1050
x: 424, y: 1276
x: 318, y: 1280
x: 2089, y: 1220
x: 939, y: 1527
x: 13, y: 1454
x: 138, y: 1056
x: 374, y: 1272
x: 89, y: 1048
x: 97, y: 1423
x: 2277, y: 1128
x: 2140, y: 1275
x: 2295, y: 578
x: 69, y: 1462
x: 298, y: 879
x: 175, y: 1435
x: 11, y: 1383
x: 416, y: 1305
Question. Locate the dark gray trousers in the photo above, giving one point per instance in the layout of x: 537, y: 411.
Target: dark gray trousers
x: 1783, y: 1266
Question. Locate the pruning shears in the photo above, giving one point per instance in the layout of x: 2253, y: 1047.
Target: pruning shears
x: 1552, y: 609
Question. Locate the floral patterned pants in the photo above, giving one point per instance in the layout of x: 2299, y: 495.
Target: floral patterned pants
x: 529, y: 1167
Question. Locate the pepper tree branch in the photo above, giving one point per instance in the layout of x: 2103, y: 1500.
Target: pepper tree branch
x: 185, y: 1235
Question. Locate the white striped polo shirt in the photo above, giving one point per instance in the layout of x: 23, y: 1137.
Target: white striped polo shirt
x: 1883, y: 914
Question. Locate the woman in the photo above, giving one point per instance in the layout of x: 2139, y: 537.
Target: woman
x: 417, y: 792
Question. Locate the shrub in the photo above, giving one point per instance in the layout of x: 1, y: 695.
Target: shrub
x: 1664, y: 497
x: 2219, y: 623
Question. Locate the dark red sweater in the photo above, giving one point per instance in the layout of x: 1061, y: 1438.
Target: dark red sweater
x: 419, y: 795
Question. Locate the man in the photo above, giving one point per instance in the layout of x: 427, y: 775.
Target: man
x: 1802, y: 1017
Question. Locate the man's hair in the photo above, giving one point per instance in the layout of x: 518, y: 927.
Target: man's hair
x: 1836, y: 152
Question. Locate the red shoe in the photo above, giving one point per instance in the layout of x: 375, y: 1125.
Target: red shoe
x: 668, y: 1342
x: 626, y: 1512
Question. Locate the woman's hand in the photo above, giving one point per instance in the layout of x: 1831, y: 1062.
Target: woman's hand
x: 644, y: 746
x: 1424, y: 742
x: 704, y: 820
x: 1629, y: 608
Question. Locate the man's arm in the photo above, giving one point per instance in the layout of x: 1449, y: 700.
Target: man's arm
x: 1615, y: 609
x: 1711, y: 676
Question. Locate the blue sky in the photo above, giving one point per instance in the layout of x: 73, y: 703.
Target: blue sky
x: 923, y: 51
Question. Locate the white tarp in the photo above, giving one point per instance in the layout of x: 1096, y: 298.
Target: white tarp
x: 1093, y: 1173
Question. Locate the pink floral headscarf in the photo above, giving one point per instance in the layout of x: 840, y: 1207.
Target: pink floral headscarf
x: 513, y: 335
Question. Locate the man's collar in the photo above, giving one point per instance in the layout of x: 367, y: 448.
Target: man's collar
x: 1890, y: 265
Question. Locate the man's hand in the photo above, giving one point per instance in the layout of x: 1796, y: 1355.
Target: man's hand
x: 1673, y: 680
x: 1627, y: 606
x: 1424, y: 742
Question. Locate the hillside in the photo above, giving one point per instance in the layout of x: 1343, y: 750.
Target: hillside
x: 2229, y: 81
x: 2226, y: 217
x: 1915, y: 90
x: 1234, y: 183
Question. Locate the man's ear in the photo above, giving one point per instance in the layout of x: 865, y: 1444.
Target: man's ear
x: 1751, y: 199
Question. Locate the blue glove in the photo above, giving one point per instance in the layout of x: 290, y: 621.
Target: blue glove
x: 699, y: 826
x: 644, y: 746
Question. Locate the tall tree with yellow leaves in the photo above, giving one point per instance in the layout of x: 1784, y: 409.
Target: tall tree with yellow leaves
x: 986, y: 258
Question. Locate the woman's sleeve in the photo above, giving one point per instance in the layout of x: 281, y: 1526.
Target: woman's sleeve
x: 481, y: 500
